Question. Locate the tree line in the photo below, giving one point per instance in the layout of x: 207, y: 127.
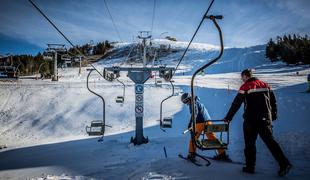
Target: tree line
x: 29, y: 64
x: 291, y: 49
x: 89, y: 49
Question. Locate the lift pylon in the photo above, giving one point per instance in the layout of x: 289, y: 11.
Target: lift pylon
x: 139, y: 75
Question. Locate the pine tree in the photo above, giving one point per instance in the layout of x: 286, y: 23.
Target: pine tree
x: 290, y: 49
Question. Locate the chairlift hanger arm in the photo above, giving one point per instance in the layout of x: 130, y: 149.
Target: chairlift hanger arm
x: 161, y: 103
x: 103, y: 101
x: 65, y: 37
x: 124, y: 86
x: 213, y: 18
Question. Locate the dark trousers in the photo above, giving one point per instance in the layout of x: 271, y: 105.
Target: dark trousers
x: 264, y: 129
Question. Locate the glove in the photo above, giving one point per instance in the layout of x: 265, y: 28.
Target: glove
x: 226, y: 120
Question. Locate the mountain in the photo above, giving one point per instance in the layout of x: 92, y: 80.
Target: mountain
x: 43, y: 122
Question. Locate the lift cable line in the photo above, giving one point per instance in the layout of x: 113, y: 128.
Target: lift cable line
x: 76, y: 49
x: 113, y: 22
x: 153, y: 16
x: 190, y: 42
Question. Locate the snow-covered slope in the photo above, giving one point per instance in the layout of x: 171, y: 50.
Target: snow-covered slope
x: 43, y: 123
x: 233, y: 59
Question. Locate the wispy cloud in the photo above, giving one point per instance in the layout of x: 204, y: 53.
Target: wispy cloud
x: 245, y: 22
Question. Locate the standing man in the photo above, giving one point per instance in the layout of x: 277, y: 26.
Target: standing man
x: 202, y: 116
x: 260, y: 109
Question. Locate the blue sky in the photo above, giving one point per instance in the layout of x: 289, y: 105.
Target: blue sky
x: 245, y: 23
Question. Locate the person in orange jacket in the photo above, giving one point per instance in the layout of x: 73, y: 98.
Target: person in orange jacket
x: 202, y: 116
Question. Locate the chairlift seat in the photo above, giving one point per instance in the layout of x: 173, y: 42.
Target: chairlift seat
x: 158, y: 83
x: 95, y: 128
x: 213, y: 144
x: 167, y: 122
x: 120, y: 99
x: 214, y: 128
x: 217, y: 126
x: 96, y: 123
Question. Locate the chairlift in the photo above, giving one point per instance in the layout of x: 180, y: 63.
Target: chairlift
x: 121, y: 99
x: 158, y: 83
x: 215, y: 126
x: 212, y: 126
x: 97, y: 127
x: 166, y: 122
x: 48, y: 56
x: 66, y: 58
x: 110, y: 76
x: 165, y: 74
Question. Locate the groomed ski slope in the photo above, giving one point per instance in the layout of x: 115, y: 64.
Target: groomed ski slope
x: 43, y: 123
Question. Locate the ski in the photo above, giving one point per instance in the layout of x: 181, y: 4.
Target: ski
x: 194, y: 162
x: 224, y: 161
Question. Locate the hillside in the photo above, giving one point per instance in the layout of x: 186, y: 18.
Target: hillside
x: 43, y: 123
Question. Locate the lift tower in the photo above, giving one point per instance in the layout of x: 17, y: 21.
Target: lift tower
x: 51, y: 53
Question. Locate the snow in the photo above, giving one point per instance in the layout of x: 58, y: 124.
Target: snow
x: 43, y: 122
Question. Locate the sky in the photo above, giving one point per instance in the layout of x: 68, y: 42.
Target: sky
x: 246, y: 22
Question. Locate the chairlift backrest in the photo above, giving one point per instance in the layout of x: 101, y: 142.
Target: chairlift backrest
x: 167, y: 122
x: 120, y: 99
x: 210, y: 128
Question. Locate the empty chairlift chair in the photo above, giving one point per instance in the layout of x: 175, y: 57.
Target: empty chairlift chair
x: 158, y: 83
x: 121, y: 99
x: 166, y: 122
x: 97, y: 127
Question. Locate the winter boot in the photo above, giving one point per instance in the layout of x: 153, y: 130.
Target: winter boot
x: 191, y: 157
x: 284, y: 169
x: 222, y: 157
x: 247, y: 169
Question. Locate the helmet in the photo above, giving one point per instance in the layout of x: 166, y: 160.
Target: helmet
x: 185, y: 97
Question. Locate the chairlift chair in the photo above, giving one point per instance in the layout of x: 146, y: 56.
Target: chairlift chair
x: 218, y: 127
x: 166, y: 122
x: 158, y: 83
x: 215, y: 126
x: 48, y: 56
x: 121, y: 99
x: 110, y: 76
x: 97, y: 127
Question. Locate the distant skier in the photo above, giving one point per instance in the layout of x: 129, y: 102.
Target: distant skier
x: 260, y: 109
x: 202, y: 115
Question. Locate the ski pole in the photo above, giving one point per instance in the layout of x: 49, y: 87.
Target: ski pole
x: 187, y: 130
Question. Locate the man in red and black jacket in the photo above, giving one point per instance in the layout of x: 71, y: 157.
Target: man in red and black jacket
x: 260, y: 109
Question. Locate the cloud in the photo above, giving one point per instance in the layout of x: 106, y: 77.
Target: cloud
x: 245, y: 22
x: 298, y: 7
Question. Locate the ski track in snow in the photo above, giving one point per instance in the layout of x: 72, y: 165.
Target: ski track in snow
x: 43, y: 122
